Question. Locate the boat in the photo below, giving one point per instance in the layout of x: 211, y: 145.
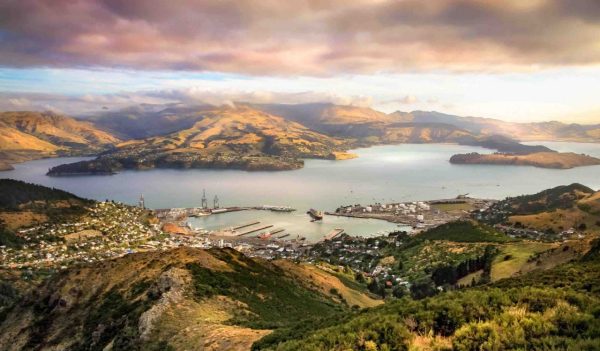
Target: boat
x: 265, y: 236
x: 278, y: 208
x: 316, y: 215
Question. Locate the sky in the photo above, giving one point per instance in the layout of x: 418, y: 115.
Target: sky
x: 517, y: 60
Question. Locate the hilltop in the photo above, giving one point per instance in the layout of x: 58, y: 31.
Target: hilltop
x: 558, y: 210
x: 226, y: 137
x: 367, y: 126
x: 174, y: 300
x: 31, y: 135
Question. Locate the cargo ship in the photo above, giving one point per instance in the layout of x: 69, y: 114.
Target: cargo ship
x: 315, y: 214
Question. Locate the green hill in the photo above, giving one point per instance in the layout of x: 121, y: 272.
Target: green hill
x: 180, y: 299
x: 553, y: 310
x: 560, y: 197
x: 464, y: 231
x: 14, y: 193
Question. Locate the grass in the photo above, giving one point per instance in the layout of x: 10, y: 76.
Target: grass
x: 513, y: 257
x: 272, y: 300
x: 468, y: 279
x: 465, y: 206
x: 464, y: 231
x: 551, y: 310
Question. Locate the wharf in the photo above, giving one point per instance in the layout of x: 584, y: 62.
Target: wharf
x: 253, y: 230
x: 332, y: 234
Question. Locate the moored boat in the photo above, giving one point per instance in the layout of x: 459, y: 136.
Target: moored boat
x: 316, y: 215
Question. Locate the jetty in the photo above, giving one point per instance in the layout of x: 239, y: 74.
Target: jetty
x: 332, y: 234
x: 245, y: 225
x: 254, y: 230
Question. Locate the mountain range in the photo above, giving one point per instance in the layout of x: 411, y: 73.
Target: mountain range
x: 252, y: 136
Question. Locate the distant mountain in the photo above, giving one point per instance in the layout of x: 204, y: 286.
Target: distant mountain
x: 30, y: 135
x: 367, y: 125
x: 505, y: 144
x: 143, y: 121
x: 540, y: 131
x: 224, y: 137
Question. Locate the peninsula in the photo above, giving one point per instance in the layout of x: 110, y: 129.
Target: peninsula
x: 557, y: 160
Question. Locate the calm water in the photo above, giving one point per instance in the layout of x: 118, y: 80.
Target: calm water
x: 381, y: 174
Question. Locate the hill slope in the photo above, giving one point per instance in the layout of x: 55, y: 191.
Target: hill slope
x: 540, y: 131
x: 30, y: 135
x: 367, y: 125
x: 225, y: 137
x: 180, y: 299
x: 554, y: 309
x: 556, y: 160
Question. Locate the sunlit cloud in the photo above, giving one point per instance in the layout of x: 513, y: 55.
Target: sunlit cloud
x: 301, y: 37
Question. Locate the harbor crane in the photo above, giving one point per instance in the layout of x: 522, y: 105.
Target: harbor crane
x: 204, y: 200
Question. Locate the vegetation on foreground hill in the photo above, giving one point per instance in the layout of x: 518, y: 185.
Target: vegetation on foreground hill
x: 24, y: 204
x: 557, y: 309
x: 178, y: 299
x: 554, y: 212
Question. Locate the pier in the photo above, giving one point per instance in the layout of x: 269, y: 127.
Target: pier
x: 276, y: 231
x: 332, y: 234
x: 250, y: 231
x: 245, y: 225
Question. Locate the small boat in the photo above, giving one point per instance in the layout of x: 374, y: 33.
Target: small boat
x: 315, y: 214
x: 265, y: 236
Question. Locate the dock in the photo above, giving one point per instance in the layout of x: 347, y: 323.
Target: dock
x: 245, y: 225
x: 276, y: 231
x: 332, y: 234
x: 254, y: 230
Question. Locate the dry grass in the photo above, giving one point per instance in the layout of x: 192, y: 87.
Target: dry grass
x: 458, y: 207
x: 15, y: 220
x: 316, y: 278
x: 518, y: 253
x: 558, y: 220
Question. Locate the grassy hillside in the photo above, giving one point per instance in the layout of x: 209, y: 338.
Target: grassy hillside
x: 365, y: 125
x: 551, y: 310
x: 30, y: 135
x: 557, y: 160
x: 14, y: 193
x: 554, y: 210
x: 464, y: 231
x: 179, y: 299
x: 224, y: 137
x: 540, y: 131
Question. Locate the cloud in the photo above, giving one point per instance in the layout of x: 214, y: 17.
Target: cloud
x: 83, y: 105
x: 311, y: 37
